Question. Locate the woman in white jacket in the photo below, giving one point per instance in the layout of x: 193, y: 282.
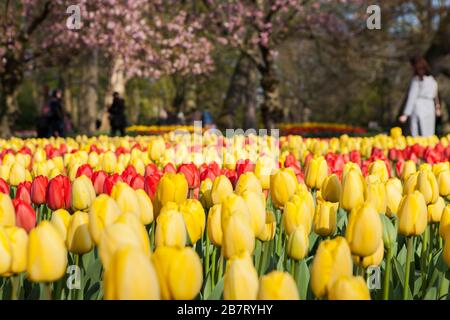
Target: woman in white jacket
x: 422, y: 105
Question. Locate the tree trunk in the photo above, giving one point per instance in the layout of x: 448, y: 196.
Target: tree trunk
x: 241, y: 93
x: 271, y: 110
x: 10, y: 114
x: 88, y: 106
x: 135, y: 106
x: 117, y: 83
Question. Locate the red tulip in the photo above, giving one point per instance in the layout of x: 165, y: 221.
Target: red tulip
x: 58, y: 193
x: 231, y: 175
x: 4, y: 187
x: 98, y: 180
x: 24, y: 191
x: 25, y: 215
x: 128, y: 174
x: 150, y: 185
x: 243, y: 166
x: 169, y: 168
x: 151, y: 169
x: 39, y: 190
x: 86, y: 170
x: 192, y: 175
x: 207, y: 174
x: 137, y: 182
x: 110, y: 181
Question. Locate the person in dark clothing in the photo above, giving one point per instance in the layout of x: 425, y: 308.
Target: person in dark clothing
x: 117, y: 118
x: 56, y: 114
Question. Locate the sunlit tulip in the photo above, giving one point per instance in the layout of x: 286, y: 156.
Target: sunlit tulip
x: 375, y: 193
x: 104, y: 211
x: 446, y: 252
x: 435, y: 210
x: 298, y: 211
x: 18, y: 242
x: 349, y: 288
x: 39, y: 190
x: 379, y: 169
x: 257, y: 207
x: 442, y: 173
x: 125, y: 198
x: 372, y: 260
x: 277, y: 285
x: 263, y: 170
x: 109, y: 162
x: 145, y: 207
x: 331, y: 188
x: 138, y: 228
x: 316, y: 172
x: 191, y: 174
x: 325, y: 218
x: 238, y: 237
x: 332, y: 260
x: 427, y: 185
x: 5, y: 252
x: 235, y: 205
x: 156, y: 149
x: 59, y: 193
x: 248, y: 182
x: 214, y: 223
x: 408, y: 168
x: 170, y: 230
x: 23, y: 192
x: 412, y: 214
x: 25, y: 215
x: 78, y: 239
x: 194, y: 218
x: 282, y: 186
x: 98, y: 180
x: 221, y: 189
x: 83, y: 193
x: 171, y: 188
x: 205, y: 193
x: 444, y: 226
x: 352, y: 194
x: 241, y: 279
x: 268, y: 231
x: 17, y: 174
x: 394, y: 192
x: 47, y: 254
x: 130, y: 276
x: 298, y: 243
x: 7, y: 213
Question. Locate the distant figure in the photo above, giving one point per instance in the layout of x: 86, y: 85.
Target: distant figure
x: 207, y: 120
x: 56, y: 114
x: 162, y: 117
x: 117, y: 117
x: 422, y: 105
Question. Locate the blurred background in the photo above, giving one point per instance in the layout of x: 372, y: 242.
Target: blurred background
x: 249, y: 64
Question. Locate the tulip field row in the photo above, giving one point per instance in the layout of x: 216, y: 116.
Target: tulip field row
x: 212, y: 217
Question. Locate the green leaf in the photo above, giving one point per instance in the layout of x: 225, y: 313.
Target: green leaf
x: 431, y: 294
x: 302, y: 276
x: 216, y: 294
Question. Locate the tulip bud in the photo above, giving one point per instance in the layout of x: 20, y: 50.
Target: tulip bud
x: 331, y: 188
x: 130, y: 276
x: 325, y: 218
x: 435, y: 210
x: 104, y: 211
x: 282, y: 186
x: 5, y: 252
x: 18, y: 242
x: 375, y: 193
x: 427, y: 185
x: 235, y: 205
x: 408, y: 168
x: 298, y: 243
x: 39, y: 190
x: 442, y: 173
x: 58, y: 193
x: 238, y: 236
x: 7, y: 215
x: 298, y: 211
x: 145, y: 207
x: 215, y: 225
x: 23, y: 192
x: 372, y: 260
x: 205, y: 193
x: 389, y: 232
x: 248, y: 182
x: 170, y: 229
x: 257, y: 208
x: 241, y: 279
x: 221, y: 189
x: 109, y: 162
x: 349, y: 288
x: 17, y: 174
x: 379, y: 169
x: 83, y: 193
x: 171, y: 188
x: 25, y: 215
x: 352, y: 194
x: 138, y: 228
x: 316, y: 172
x: 156, y: 149
x: 394, y: 191
x: 277, y: 285
x: 194, y: 218
x: 78, y: 238
x: 412, y: 214
x: 191, y: 174
x: 47, y: 254
x: 263, y: 170
x: 60, y: 220
x: 268, y: 231
x: 444, y: 226
x: 332, y: 260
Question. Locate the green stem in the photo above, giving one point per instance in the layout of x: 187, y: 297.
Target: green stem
x: 47, y: 291
x: 410, y: 248
x: 14, y: 286
x: 213, y: 268
x: 207, y: 256
x: 220, y: 272
x: 387, y: 275
x: 293, y: 268
x: 443, y: 287
x: 424, y: 257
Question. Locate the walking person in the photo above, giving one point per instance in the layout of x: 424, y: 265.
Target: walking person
x: 56, y: 114
x: 422, y: 105
x: 117, y: 117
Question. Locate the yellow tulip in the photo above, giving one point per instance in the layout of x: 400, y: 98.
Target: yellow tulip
x: 221, y: 189
x: 435, y: 210
x: 4, y: 171
x: 352, y: 194
x: 394, y: 191
x: 83, y: 193
x: 248, y: 182
x: 444, y: 226
x: 427, y: 185
x: 364, y: 230
x: 238, y: 237
x: 138, y: 228
x: 17, y: 174
x: 131, y: 276
x: 257, y: 208
x: 268, y: 231
x: 446, y: 252
x: 349, y: 288
x: 372, y: 260
x: 241, y: 279
x: 7, y: 213
x: 145, y: 207
x: 194, y: 218
x: 47, y: 254
x: 18, y: 241
x: 325, y: 218
x: 170, y: 230
x: 378, y: 168
x: 282, y: 186
x: 109, y: 162
x: 408, y: 168
x: 442, y: 173
x: 297, y: 212
x: 171, y: 188
x: 277, y: 285
x: 396, y: 132
x: 5, y: 252
x: 331, y: 188
x: 263, y: 169
x: 156, y: 149
x: 316, y: 172
x: 332, y: 260
x: 375, y: 193
x: 235, y: 205
x: 61, y: 220
x: 205, y: 193
x: 104, y: 212
x: 412, y: 214
x: 214, y: 222
x: 79, y: 240
x: 298, y: 243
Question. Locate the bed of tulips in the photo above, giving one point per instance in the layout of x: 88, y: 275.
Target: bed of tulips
x: 189, y: 217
